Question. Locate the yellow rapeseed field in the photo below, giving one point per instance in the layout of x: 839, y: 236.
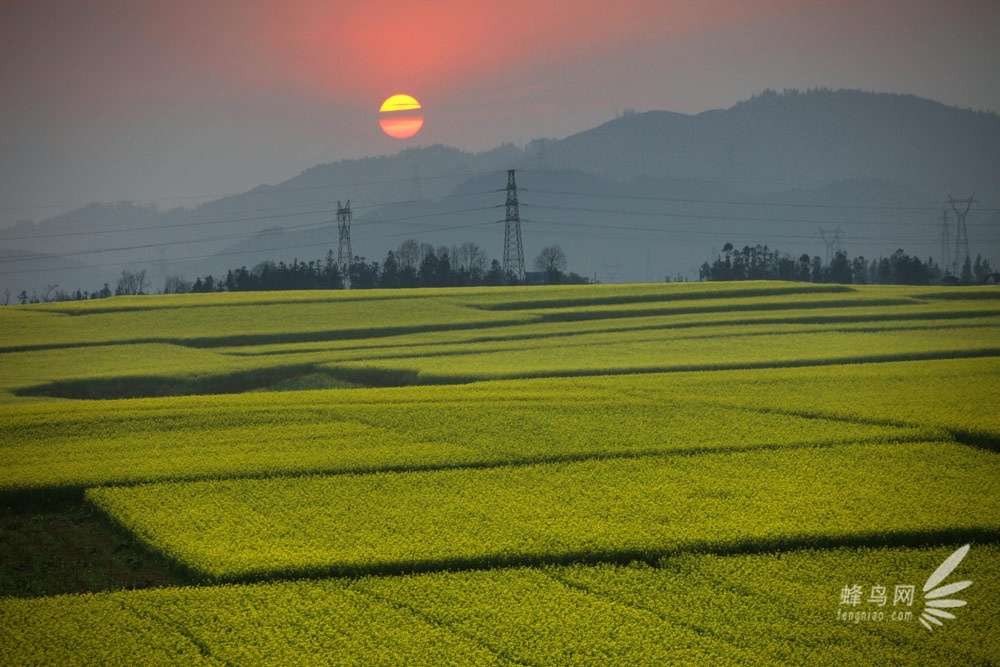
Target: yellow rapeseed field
x: 582, y: 475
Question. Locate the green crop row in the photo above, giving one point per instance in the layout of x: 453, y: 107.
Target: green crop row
x: 117, y: 371
x: 241, y: 319
x: 136, y: 349
x: 114, y: 362
x: 217, y: 321
x: 954, y: 394
x: 665, y: 328
x: 75, y: 444
x: 691, y: 609
x: 653, y: 351
x: 671, y: 327
x: 592, y: 510
x: 58, y: 444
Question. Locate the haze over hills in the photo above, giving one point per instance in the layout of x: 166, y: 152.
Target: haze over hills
x: 642, y: 197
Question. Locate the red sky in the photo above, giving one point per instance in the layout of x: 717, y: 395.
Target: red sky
x: 113, y: 99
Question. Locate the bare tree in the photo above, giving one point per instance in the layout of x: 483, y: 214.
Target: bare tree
x: 130, y: 283
x: 408, y: 255
x: 47, y: 292
x: 552, y: 262
x: 176, y: 285
x: 469, y: 257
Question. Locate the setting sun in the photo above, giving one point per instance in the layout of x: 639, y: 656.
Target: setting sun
x: 400, y: 116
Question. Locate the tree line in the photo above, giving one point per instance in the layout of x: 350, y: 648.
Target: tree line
x: 412, y: 264
x: 762, y: 263
x: 415, y: 264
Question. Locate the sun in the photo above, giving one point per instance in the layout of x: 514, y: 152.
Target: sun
x: 400, y: 116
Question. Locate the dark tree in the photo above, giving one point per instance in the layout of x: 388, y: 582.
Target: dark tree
x: 176, y: 285
x: 443, y: 276
x: 494, y: 277
x: 816, y: 270
x: 787, y: 269
x: 363, y: 274
x: 859, y: 271
x: 981, y: 269
x: 390, y: 271
x: 408, y: 255
x: 551, y: 261
x: 469, y: 263
x: 429, y: 270
x: 840, y: 269
x: 805, y: 268
x: 966, y: 277
x: 131, y: 283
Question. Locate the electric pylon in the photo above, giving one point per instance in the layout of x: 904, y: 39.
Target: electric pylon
x: 832, y: 243
x: 961, y: 233
x: 513, y: 252
x: 344, y: 254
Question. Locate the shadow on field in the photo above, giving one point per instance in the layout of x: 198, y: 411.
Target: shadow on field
x: 315, y: 376
x: 70, y: 546
x: 652, y: 557
x: 67, y: 546
x: 281, y: 378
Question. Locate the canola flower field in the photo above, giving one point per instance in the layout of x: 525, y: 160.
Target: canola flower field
x: 594, y: 475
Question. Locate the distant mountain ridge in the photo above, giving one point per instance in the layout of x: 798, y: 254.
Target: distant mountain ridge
x: 651, y: 193
x: 780, y: 141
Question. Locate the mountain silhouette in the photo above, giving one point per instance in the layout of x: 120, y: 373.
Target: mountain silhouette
x: 642, y: 197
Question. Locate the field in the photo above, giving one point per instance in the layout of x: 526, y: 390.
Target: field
x: 594, y: 475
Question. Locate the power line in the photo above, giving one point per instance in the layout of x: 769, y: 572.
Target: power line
x: 580, y: 229
x: 577, y: 226
x: 695, y: 233
x: 702, y: 216
x: 512, y: 217
x: 143, y: 246
x: 440, y: 228
x: 168, y: 226
x: 733, y: 202
x: 271, y: 189
x: 233, y: 237
x: 231, y: 253
x: 614, y: 211
x: 200, y: 223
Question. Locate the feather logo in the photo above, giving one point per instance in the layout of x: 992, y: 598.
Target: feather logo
x: 936, y: 598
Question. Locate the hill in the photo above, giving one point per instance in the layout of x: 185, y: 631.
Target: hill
x: 644, y: 196
x: 799, y: 140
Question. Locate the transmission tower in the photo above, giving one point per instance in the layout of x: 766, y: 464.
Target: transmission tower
x: 832, y: 243
x: 513, y: 252
x: 961, y: 208
x: 945, y: 243
x: 344, y: 254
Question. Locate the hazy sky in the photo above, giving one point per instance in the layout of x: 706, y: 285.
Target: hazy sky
x: 102, y: 100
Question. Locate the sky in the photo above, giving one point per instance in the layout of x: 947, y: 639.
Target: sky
x: 178, y: 101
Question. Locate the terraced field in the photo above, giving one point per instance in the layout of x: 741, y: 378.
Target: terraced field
x: 654, y: 474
